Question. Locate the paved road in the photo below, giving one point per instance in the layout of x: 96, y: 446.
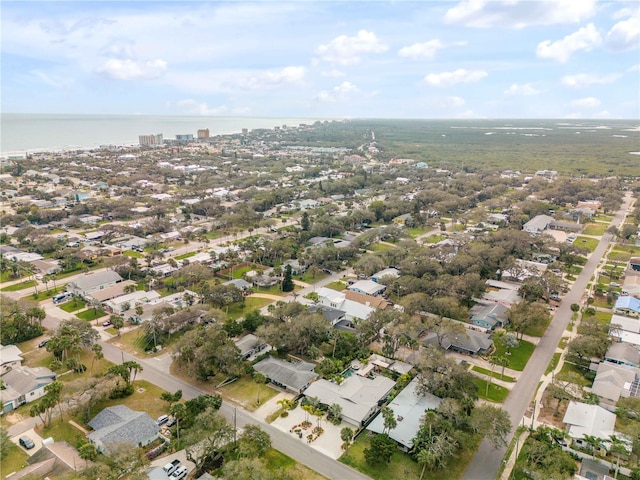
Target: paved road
x: 487, y: 460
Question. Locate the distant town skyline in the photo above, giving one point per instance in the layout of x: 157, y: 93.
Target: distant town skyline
x: 466, y: 59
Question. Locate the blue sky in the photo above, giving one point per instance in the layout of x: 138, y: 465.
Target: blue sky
x: 400, y: 59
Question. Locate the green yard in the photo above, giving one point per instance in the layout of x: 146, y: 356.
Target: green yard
x: 494, y: 374
x: 91, y: 314
x: 434, y: 238
x: 553, y: 363
x: 73, y: 305
x: 186, y: 255
x: 277, y: 461
x: 416, y: 232
x: 377, y: 247
x: 402, y: 466
x: 308, y: 278
x: 15, y: 460
x: 244, y: 392
x: 18, y: 286
x: 132, y: 254
x: 586, y: 242
x: 596, y: 229
x: 519, y: 356
x: 43, y: 293
x: 338, y: 286
x: 497, y: 393
x: 238, y: 310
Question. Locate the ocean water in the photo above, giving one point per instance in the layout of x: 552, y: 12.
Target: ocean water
x: 21, y: 133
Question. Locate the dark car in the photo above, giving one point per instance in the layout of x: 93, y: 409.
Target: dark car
x: 27, y: 443
x: 43, y: 343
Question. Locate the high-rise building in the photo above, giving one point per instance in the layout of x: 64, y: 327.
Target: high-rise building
x: 203, y: 133
x: 245, y: 131
x: 150, y: 140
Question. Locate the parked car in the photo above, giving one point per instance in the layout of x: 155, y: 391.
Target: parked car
x: 162, y: 419
x: 179, y: 473
x: 169, y: 468
x: 43, y: 343
x: 171, y: 422
x: 106, y: 323
x: 26, y: 442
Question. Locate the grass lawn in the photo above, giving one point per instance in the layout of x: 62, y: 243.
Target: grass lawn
x: 238, y: 273
x: 377, y: 247
x: 601, y: 302
x: 519, y: 356
x: 277, y: 461
x: 434, y: 238
x: 415, y: 232
x: 402, y: 466
x: 497, y: 393
x: 307, y: 278
x: 238, y: 310
x: 603, y: 318
x: 133, y: 342
x: 586, y: 242
x: 275, y: 290
x: 244, y: 391
x: 553, y: 363
x: 186, y: 255
x: 494, y: 374
x: 132, y: 254
x: 538, y: 330
x: 43, y: 294
x: 339, y: 286
x: 582, y: 372
x: 8, y: 276
x: 619, y: 256
x: 15, y: 460
x: 74, y: 305
x: 91, y: 314
x: 18, y: 286
x: 63, y: 431
x: 604, y: 218
x: 595, y: 229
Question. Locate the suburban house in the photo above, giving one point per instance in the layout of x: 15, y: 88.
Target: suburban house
x: 360, y: 397
x: 408, y: 408
x: 623, y: 354
x: 626, y: 305
x: 376, y: 363
x: 625, y: 329
x: 110, y: 292
x: 24, y: 385
x: 614, y: 381
x: 334, y: 316
x: 352, y: 310
x: 583, y: 420
x: 92, y: 281
x: 502, y: 292
x: 631, y: 285
x: 387, y: 272
x: 537, y: 224
x: 10, y: 357
x: 294, y: 377
x: 121, y: 424
x: 296, y: 268
x: 402, y: 220
x: 473, y: 343
x: 123, y: 303
x: 239, y: 283
x: 250, y: 345
x: 367, y: 300
x: 367, y: 287
x: 489, y: 315
x: 52, y: 461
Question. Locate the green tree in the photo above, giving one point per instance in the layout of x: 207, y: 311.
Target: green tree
x: 254, y: 442
x: 346, y: 434
x: 207, y: 437
x: 4, y: 443
x: 287, y: 282
x: 380, y: 449
x: 88, y: 451
x: 426, y: 459
x: 260, y: 379
x: 389, y: 418
x: 304, y: 222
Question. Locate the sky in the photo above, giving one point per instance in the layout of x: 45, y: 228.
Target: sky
x: 323, y: 59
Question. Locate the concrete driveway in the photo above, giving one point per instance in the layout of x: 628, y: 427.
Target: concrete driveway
x: 31, y: 433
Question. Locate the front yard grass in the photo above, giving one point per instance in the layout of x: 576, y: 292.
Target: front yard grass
x: 91, y: 314
x: 434, y: 238
x: 18, y: 286
x: 402, y: 466
x: 553, y: 363
x: 15, y: 460
x: 377, y: 247
x: 308, y: 278
x: 586, y: 378
x: 43, y: 294
x: 494, y: 374
x: 277, y: 461
x: 244, y: 392
x: 519, y: 356
x: 586, y: 242
x: 186, y: 255
x: 338, y: 286
x: 132, y: 254
x: 604, y: 318
x: 238, y: 310
x: 595, y: 229
x: 497, y: 393
x: 73, y: 306
x: 416, y: 232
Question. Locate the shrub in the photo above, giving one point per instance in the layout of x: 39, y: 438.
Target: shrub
x: 284, y: 414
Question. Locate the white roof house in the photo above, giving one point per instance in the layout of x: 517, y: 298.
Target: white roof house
x: 537, y: 224
x: 368, y: 287
x: 92, y: 281
x: 358, y: 396
x: 387, y: 272
x: 627, y: 329
x: 353, y: 310
x: 10, y: 357
x: 408, y: 408
x: 614, y: 381
x: 582, y: 419
x: 138, y: 297
x: 24, y: 385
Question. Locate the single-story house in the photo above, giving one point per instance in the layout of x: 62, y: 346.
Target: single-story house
x: 46, y: 267
x: 537, y: 224
x: 333, y: 315
x: 614, y: 381
x: 377, y: 363
x: 24, y: 385
x: 291, y: 376
x: 402, y: 220
x: 582, y: 420
x: 408, y: 408
x: 121, y: 424
x: 387, y: 272
x: 92, y: 281
x: 631, y: 285
x: 352, y: 310
x: 52, y: 461
x: 360, y: 397
x: 367, y: 287
x: 10, y: 357
x: 627, y: 305
x: 504, y: 296
x: 622, y: 353
x: 625, y: 329
x: 250, y: 345
x: 296, y: 267
x: 367, y: 300
x: 110, y: 292
x: 118, y: 305
x: 473, y: 343
x: 489, y: 315
x: 239, y: 283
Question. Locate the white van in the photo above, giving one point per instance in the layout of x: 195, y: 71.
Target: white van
x: 61, y: 297
x: 179, y: 473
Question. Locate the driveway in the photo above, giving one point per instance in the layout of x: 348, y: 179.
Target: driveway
x: 31, y: 433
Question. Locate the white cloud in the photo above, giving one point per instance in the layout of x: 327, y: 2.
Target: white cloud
x: 194, y: 107
x: 333, y: 73
x: 421, y: 50
x: 451, y: 102
x: 451, y: 78
x: 128, y: 69
x: 345, y: 50
x: 525, y: 89
x: 339, y: 92
x: 634, y: 68
x: 584, y: 39
x: 587, y: 79
x: 273, y: 78
x: 624, y: 35
x: 587, y: 102
x: 519, y: 14
x: 55, y: 81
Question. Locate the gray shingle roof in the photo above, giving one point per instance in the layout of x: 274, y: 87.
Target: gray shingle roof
x: 92, y: 280
x: 294, y: 376
x: 121, y: 424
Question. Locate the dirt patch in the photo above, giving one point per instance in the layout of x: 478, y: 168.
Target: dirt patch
x: 13, y: 418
